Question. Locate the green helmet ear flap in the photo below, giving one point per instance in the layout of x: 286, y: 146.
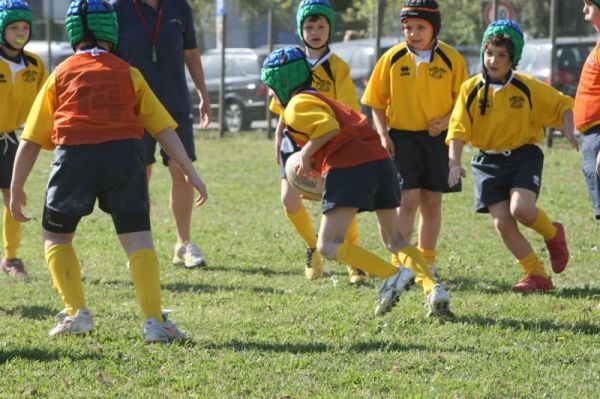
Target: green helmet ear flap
x: 285, y: 71
x: 314, y: 7
x: 13, y: 11
x: 507, y: 29
x: 91, y: 20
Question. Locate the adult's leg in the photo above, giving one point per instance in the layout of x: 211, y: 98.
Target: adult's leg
x: 182, y: 202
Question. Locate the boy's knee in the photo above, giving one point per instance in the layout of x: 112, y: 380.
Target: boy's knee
x: 523, y: 214
x: 328, y: 249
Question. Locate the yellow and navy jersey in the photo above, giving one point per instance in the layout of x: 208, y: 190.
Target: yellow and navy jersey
x: 91, y: 99
x: 310, y: 115
x: 413, y: 93
x: 331, y: 78
x: 19, y: 84
x: 515, y: 114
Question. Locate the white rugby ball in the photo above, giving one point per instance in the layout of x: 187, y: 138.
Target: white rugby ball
x: 311, y: 187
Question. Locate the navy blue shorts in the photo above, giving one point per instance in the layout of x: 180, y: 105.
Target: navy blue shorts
x: 368, y: 187
x: 590, y: 146
x: 494, y: 175
x: 286, y: 149
x: 185, y: 131
x: 8, y: 150
x: 112, y: 172
x: 422, y: 161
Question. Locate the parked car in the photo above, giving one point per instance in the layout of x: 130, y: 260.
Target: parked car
x: 245, y: 95
x: 571, y: 53
x: 60, y: 51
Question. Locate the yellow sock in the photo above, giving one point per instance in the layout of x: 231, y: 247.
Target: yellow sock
x: 66, y: 276
x: 543, y: 225
x: 352, y: 232
x: 359, y: 258
x: 145, y: 274
x: 412, y: 259
x: 11, y: 234
x: 301, y: 222
x: 429, y: 255
x: 395, y: 261
x: 533, y: 265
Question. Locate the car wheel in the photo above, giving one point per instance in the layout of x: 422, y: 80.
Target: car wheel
x: 234, y: 117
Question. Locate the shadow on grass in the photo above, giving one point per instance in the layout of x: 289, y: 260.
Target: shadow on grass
x: 205, y: 288
x: 495, y: 287
x: 41, y: 355
x: 254, y: 270
x: 520, y: 325
x: 468, y: 284
x: 317, y: 347
x: 30, y: 312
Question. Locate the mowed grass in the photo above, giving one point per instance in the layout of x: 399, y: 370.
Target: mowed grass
x: 259, y: 329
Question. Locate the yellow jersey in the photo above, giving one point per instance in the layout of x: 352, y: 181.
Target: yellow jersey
x: 515, y: 114
x: 19, y: 84
x: 413, y: 91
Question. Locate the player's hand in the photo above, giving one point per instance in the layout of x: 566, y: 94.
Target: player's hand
x: 454, y: 175
x: 198, y: 184
x: 305, y: 168
x: 205, y: 114
x: 388, y: 144
x: 570, y: 136
x: 18, y: 199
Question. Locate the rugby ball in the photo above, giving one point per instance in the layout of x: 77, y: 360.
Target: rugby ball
x: 309, y: 186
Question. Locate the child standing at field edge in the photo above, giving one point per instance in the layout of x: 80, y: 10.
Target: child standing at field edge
x: 358, y: 176
x: 502, y: 113
x: 587, y: 110
x: 315, y: 20
x: 21, y: 76
x: 93, y: 110
x: 411, y: 92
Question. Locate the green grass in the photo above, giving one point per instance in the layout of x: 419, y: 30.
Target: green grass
x: 260, y: 330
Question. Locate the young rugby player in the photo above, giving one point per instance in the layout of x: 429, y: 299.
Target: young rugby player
x: 501, y: 112
x: 411, y: 92
x: 21, y: 76
x: 93, y: 110
x: 358, y: 176
x: 315, y: 20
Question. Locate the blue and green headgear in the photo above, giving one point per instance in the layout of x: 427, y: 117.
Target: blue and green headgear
x: 507, y: 29
x: 314, y: 7
x: 286, y: 70
x: 596, y: 2
x: 13, y: 11
x: 91, y: 20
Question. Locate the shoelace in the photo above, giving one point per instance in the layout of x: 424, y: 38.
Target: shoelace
x: 6, y: 138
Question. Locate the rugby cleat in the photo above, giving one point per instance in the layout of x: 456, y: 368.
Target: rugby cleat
x: 391, y: 288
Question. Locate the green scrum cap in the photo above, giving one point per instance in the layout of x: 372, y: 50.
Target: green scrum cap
x: 91, y: 20
x: 286, y: 70
x: 314, y: 7
x: 596, y: 2
x: 508, y: 29
x: 13, y: 11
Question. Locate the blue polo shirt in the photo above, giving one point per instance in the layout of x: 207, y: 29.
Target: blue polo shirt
x: 166, y: 76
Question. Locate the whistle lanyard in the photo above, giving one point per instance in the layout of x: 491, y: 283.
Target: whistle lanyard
x: 153, y: 35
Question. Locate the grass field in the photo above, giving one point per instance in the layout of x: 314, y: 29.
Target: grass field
x: 260, y: 330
